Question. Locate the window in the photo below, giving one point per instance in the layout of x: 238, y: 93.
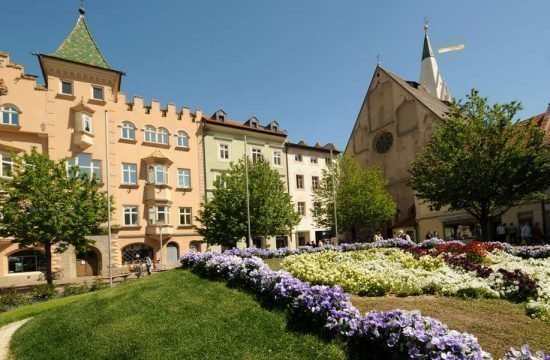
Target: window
x: 185, y: 216
x: 129, y: 174
x: 299, y: 181
x: 162, y: 136
x: 66, y: 87
x: 150, y: 134
x: 86, y: 165
x: 86, y: 123
x: 277, y: 158
x: 220, y: 181
x: 159, y: 215
x: 10, y: 115
x: 302, y: 208
x: 160, y: 174
x: 183, y: 139
x: 7, y: 165
x: 256, y: 155
x: 130, y: 215
x: 314, y: 182
x: 383, y: 142
x: 97, y: 93
x: 298, y: 157
x: 26, y: 261
x: 313, y: 159
x: 184, y: 178
x: 328, y: 161
x: 223, y: 151
x: 128, y: 131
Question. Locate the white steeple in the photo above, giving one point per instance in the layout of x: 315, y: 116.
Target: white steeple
x: 429, y: 71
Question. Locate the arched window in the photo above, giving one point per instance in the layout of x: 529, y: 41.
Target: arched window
x: 162, y: 135
x: 183, y: 139
x: 26, y: 260
x: 150, y: 134
x: 10, y: 115
x: 130, y: 253
x: 172, y: 253
x: 128, y: 131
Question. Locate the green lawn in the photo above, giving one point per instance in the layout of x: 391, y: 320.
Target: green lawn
x: 173, y: 315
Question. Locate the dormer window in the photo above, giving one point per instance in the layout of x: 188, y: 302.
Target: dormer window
x: 220, y: 115
x: 274, y: 128
x: 66, y: 87
x: 98, y: 93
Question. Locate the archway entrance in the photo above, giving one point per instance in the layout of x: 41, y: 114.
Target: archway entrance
x: 88, y: 263
x: 172, y: 253
x: 130, y: 252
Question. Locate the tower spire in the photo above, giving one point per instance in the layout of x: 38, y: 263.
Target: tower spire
x: 429, y: 71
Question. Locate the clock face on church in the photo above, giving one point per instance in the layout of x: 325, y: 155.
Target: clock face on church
x: 383, y: 142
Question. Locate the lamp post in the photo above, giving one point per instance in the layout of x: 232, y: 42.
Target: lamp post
x: 109, y: 237
x: 160, y: 224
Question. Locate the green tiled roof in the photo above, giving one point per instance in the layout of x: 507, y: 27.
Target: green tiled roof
x: 80, y: 47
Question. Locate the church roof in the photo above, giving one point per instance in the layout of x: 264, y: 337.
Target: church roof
x: 80, y: 47
x: 437, y: 106
x: 427, y: 50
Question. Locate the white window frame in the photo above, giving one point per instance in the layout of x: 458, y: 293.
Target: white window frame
x: 13, y: 114
x: 298, y: 158
x: 315, y: 184
x: 182, y: 140
x: 129, y: 169
x: 128, y: 128
x: 154, y: 211
x: 90, y: 170
x: 5, y: 159
x: 61, y: 87
x: 163, y: 136
x: 256, y: 154
x: 301, y: 207
x: 129, y: 210
x: 300, y: 176
x: 314, y: 160
x: 151, y: 133
x: 184, y: 174
x: 160, y: 170
x: 86, y: 118
x: 224, y: 154
x: 223, y: 183
x: 186, y: 212
x: 277, y: 158
x: 102, y: 92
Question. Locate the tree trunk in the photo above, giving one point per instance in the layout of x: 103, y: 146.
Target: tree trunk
x: 353, y: 239
x: 485, y: 223
x: 48, y: 255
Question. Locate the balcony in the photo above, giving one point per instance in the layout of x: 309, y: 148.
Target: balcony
x: 154, y: 231
x: 83, y: 139
x: 157, y: 194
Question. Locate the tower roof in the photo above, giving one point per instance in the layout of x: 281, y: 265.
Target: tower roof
x: 427, y: 51
x: 80, y: 47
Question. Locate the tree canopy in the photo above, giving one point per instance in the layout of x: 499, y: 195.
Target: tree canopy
x: 362, y: 200
x: 48, y: 206
x: 223, y: 218
x: 479, y: 160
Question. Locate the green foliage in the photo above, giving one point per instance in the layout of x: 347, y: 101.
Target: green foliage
x: 223, y: 219
x: 43, y: 292
x: 361, y: 197
x: 47, y: 206
x: 479, y: 161
x: 98, y: 284
x: 12, y: 299
x: 76, y: 289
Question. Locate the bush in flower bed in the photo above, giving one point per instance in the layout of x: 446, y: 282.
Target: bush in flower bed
x: 531, y: 252
x: 393, y: 334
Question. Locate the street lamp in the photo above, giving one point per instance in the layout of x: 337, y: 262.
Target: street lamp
x: 160, y: 224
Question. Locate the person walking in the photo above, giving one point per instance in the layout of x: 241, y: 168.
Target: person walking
x: 501, y: 233
x: 148, y: 265
x: 512, y: 233
x: 378, y: 235
x: 403, y: 235
x: 537, y: 234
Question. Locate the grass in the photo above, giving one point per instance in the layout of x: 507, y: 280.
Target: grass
x: 173, y: 315
x: 498, y: 324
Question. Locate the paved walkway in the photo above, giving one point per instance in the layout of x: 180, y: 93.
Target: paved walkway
x: 6, y: 333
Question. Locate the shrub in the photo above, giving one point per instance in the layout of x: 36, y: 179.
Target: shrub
x: 76, y: 289
x: 43, y: 293
x: 12, y: 299
x: 98, y: 284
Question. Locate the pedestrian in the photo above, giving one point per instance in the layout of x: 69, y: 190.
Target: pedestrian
x: 312, y: 244
x: 138, y: 268
x: 378, y: 235
x: 512, y: 233
x: 537, y: 234
x: 526, y: 233
x: 435, y: 235
x: 429, y: 235
x: 321, y: 244
x: 148, y: 265
x: 501, y: 233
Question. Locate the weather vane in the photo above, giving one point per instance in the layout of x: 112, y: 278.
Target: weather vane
x: 378, y: 59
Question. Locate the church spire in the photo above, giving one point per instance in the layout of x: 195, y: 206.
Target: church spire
x: 80, y: 47
x: 429, y: 71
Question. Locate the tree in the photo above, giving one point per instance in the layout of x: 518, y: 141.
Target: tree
x: 223, y: 219
x: 47, y: 206
x: 362, y: 200
x: 480, y: 161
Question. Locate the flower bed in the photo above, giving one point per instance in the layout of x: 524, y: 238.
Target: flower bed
x: 393, y: 334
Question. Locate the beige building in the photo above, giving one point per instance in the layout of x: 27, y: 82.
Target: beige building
x: 153, y: 160
x: 395, y: 122
x: 305, y: 165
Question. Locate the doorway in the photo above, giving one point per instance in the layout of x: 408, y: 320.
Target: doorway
x: 87, y: 263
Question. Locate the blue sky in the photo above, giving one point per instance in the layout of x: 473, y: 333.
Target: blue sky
x: 304, y: 63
